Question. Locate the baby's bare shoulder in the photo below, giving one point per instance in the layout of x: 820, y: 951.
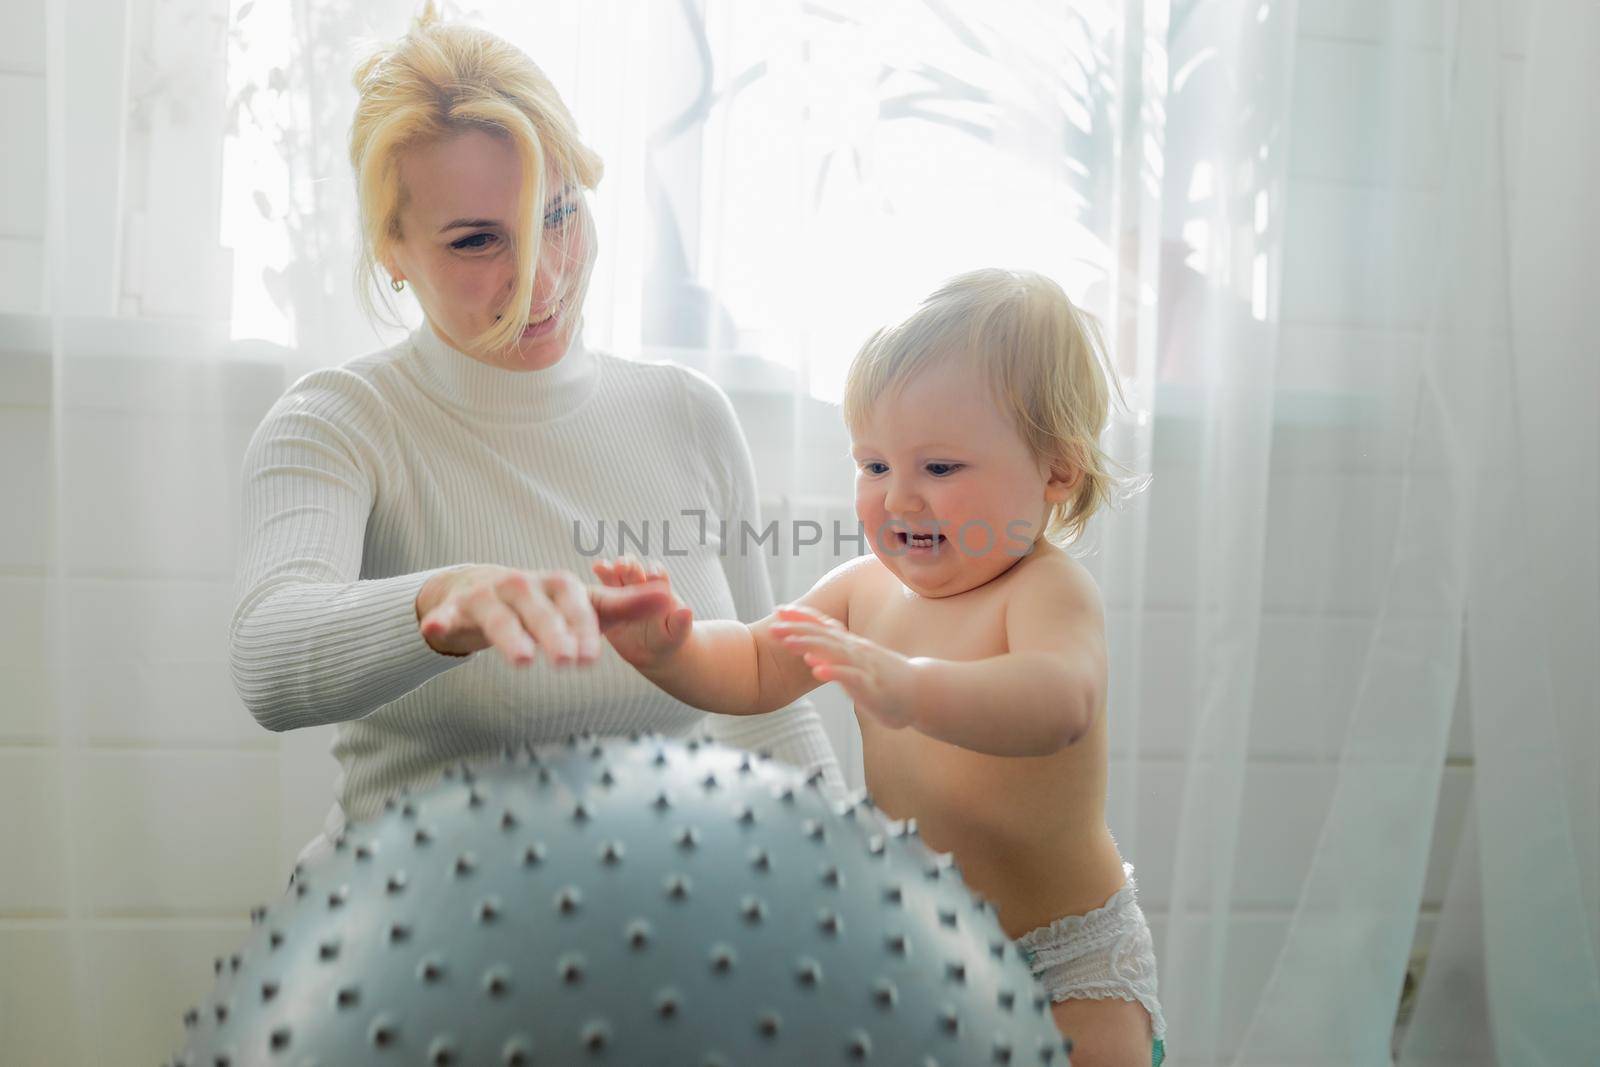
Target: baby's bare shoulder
x: 852, y: 575
x: 1049, y: 575
x: 1054, y: 606
x: 833, y: 592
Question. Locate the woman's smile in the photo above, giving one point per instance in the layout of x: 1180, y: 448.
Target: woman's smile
x: 539, y: 327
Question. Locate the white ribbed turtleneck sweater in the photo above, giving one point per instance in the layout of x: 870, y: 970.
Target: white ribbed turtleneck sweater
x: 363, y: 480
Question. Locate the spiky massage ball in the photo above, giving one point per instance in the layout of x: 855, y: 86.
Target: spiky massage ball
x: 641, y: 902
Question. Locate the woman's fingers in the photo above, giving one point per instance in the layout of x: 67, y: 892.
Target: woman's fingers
x: 529, y: 604
x: 567, y: 595
x: 503, y: 630
x: 522, y: 612
x: 441, y: 620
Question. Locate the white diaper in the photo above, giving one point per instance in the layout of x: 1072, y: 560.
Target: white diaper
x: 1105, y: 953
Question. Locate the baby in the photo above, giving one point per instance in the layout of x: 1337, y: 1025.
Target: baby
x: 971, y: 644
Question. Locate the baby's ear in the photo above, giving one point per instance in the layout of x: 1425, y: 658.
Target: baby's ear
x: 1063, y: 482
x: 1064, y: 477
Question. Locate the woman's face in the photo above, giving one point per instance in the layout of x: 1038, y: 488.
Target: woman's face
x: 456, y: 220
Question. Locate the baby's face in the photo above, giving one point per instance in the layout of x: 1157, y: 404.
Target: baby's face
x: 941, y: 458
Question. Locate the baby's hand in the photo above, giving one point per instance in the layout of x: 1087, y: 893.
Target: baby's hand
x: 878, y: 679
x: 647, y: 640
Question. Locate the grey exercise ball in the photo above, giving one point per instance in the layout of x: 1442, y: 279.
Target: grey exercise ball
x: 625, y: 901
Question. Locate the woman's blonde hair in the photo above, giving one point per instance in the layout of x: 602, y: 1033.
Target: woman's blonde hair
x: 439, y: 80
x: 1044, y: 360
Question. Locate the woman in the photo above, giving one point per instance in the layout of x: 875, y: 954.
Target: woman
x: 420, y: 505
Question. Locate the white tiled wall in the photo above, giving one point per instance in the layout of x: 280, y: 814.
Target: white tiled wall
x: 146, y: 809
x: 186, y: 815
x: 22, y: 175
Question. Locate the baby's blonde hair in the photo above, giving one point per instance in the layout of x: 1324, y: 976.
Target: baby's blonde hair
x: 439, y: 80
x: 1044, y: 360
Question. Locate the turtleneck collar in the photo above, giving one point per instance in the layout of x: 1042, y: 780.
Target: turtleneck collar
x: 503, y: 395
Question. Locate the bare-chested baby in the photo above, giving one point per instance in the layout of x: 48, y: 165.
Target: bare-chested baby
x: 971, y: 643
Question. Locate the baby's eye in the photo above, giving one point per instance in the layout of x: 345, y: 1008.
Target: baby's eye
x: 557, y: 217
x: 874, y: 467
x: 942, y: 470
x: 476, y: 243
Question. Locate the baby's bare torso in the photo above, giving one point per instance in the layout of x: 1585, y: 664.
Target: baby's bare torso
x: 1028, y: 833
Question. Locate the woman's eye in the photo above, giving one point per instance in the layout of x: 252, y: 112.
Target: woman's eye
x: 556, y: 218
x: 477, y: 242
x: 941, y: 470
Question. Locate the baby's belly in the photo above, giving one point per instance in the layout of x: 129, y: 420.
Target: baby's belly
x: 1029, y: 834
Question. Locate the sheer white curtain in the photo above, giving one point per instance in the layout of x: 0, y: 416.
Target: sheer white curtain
x: 1338, y: 248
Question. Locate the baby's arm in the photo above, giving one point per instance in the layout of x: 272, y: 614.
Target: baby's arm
x: 720, y: 665
x: 1043, y: 693
x: 1037, y: 698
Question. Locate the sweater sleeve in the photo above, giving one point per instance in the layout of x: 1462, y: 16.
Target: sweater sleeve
x: 310, y: 642
x: 794, y: 734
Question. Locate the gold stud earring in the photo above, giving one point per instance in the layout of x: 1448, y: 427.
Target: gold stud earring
x: 397, y: 284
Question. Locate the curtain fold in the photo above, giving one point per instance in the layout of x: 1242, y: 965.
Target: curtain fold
x: 1533, y: 701
x: 1349, y: 941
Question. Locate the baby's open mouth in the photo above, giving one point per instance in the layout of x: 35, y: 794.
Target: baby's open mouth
x: 918, y: 540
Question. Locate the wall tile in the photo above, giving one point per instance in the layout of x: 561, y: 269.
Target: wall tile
x: 1420, y: 23
x: 307, y: 775
x: 1329, y: 540
x: 1310, y: 665
x: 180, y: 831
x: 25, y: 487
x: 1283, y: 808
x: 38, y: 1013
x: 1253, y: 941
x: 146, y: 977
x: 22, y: 131
x: 22, y: 280
x: 153, y: 664
x: 22, y: 28
x: 147, y: 493
x: 1366, y: 114
x: 1360, y: 256
x: 27, y: 698
x: 32, y: 833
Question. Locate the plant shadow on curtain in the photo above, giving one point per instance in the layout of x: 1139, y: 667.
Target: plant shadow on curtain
x: 1335, y: 247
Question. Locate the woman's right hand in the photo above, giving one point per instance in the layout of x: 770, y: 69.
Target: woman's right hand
x: 518, y: 612
x: 652, y: 636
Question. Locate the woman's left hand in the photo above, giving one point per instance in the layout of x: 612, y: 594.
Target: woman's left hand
x: 879, y: 680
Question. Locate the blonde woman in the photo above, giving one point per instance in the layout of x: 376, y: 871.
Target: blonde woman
x: 412, y: 517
